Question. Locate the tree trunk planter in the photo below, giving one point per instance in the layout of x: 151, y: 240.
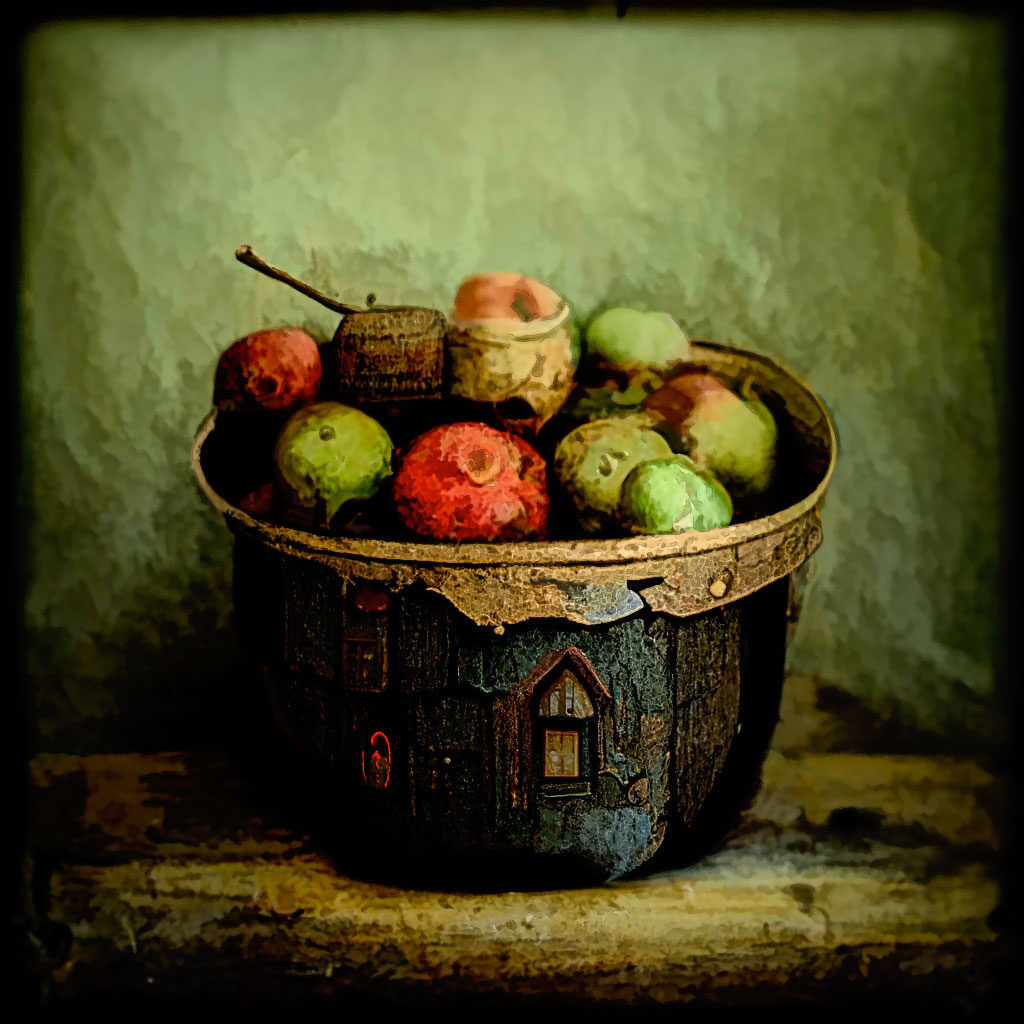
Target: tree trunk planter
x: 550, y: 712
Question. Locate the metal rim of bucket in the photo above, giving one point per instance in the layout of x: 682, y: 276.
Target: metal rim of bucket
x: 607, y: 551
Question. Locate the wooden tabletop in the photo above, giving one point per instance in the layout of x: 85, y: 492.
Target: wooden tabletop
x: 853, y: 876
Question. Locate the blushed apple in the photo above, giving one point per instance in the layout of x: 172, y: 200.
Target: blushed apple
x: 733, y: 437
x: 505, y: 296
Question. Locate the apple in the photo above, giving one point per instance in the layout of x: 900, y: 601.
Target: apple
x: 470, y: 482
x: 261, y: 503
x: 510, y: 348
x: 593, y: 461
x: 505, y: 296
x: 733, y: 437
x: 328, y: 454
x: 275, y: 370
x: 632, y: 339
x: 672, y: 495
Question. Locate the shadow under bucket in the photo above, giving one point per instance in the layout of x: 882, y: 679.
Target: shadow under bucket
x: 535, y: 714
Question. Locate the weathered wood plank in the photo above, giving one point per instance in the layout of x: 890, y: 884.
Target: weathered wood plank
x: 610, y: 943
x: 848, y: 871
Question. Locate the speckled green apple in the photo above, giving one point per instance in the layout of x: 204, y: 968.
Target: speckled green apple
x: 593, y: 461
x: 672, y: 495
x: 632, y: 338
x: 328, y: 454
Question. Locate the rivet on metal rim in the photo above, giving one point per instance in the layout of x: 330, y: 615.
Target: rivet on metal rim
x: 719, y: 586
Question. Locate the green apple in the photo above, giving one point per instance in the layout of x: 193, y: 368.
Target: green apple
x: 631, y: 338
x: 328, y: 454
x: 672, y: 495
x: 593, y: 461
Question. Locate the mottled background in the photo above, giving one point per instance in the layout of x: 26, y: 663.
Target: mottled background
x: 825, y: 189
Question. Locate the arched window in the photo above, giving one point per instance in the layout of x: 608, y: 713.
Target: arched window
x: 551, y: 726
x: 564, y: 711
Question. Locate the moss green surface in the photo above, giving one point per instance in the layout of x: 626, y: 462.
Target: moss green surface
x: 819, y: 188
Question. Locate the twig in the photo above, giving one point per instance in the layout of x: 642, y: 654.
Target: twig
x: 244, y: 254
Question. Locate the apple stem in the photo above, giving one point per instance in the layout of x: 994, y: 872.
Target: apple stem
x: 244, y: 254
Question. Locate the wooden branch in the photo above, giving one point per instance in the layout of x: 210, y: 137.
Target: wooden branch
x: 244, y: 254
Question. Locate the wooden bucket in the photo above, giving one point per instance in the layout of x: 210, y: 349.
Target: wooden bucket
x: 548, y: 712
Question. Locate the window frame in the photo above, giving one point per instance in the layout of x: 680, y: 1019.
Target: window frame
x: 586, y: 730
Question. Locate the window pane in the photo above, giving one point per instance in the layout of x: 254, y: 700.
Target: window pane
x: 561, y: 754
x: 566, y: 696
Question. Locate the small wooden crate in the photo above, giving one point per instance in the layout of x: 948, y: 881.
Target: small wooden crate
x: 534, y: 713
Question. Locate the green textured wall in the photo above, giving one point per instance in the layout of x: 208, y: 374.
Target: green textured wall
x: 824, y: 190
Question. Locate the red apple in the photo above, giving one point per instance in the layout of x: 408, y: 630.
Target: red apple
x: 470, y: 482
x: 262, y: 503
x: 275, y: 370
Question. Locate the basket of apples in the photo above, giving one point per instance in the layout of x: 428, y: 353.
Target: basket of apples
x: 519, y: 588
